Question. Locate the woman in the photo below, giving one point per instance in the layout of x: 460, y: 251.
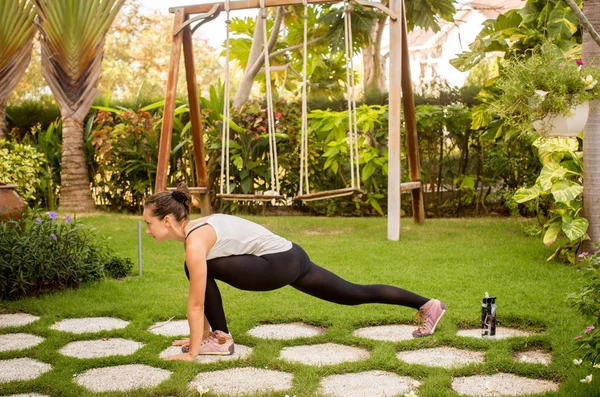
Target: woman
x: 248, y: 256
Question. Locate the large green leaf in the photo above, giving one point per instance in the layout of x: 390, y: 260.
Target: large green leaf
x: 562, y: 22
x: 557, y: 145
x: 550, y: 172
x: 574, y: 228
x: 525, y: 194
x: 552, y: 232
x: 565, y: 191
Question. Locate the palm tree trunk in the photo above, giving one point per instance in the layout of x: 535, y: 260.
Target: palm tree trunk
x: 3, y: 126
x: 256, y: 57
x: 75, y: 193
x: 591, y: 141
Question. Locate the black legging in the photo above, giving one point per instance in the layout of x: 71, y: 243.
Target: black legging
x: 293, y: 267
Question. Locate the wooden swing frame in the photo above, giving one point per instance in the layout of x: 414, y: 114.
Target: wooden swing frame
x: 400, y: 93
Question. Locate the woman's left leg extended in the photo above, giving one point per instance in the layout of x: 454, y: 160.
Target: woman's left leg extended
x: 326, y: 285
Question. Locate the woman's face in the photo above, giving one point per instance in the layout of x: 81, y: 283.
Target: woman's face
x: 157, y: 228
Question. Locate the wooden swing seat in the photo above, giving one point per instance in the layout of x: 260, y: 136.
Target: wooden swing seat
x: 193, y: 190
x: 250, y: 197
x: 327, y: 194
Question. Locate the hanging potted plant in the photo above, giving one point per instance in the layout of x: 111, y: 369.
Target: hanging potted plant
x: 548, y: 91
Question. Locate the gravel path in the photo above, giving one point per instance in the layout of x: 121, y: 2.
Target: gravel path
x: 101, y: 348
x: 446, y: 357
x: 89, y: 324
x: 18, y: 341
x: 323, y: 354
x: 501, y: 385
x: 22, y: 369
x: 122, y: 378
x: 371, y: 384
x: 501, y: 333
x: 238, y: 381
x: 286, y: 331
x: 392, y: 333
x: 16, y: 320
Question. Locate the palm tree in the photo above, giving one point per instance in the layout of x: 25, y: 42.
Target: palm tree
x: 16, y: 40
x: 72, y: 42
x: 591, y: 142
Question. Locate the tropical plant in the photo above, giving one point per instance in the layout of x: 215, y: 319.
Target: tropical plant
x: 72, y: 43
x: 16, y: 37
x: 125, y: 157
x: 543, y: 84
x: 560, y: 182
x: 24, y: 166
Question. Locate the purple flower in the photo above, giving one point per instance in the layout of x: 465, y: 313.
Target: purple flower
x: 52, y: 215
x: 579, y: 62
x: 588, y: 329
x: 583, y: 255
x: 38, y: 221
x: 578, y: 337
x: 53, y: 236
x: 68, y: 219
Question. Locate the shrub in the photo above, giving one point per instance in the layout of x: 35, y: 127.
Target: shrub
x: 41, y: 253
x: 23, y: 165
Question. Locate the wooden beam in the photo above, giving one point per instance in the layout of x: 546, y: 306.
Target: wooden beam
x: 250, y: 4
x: 394, y: 120
x: 164, y: 148
x: 244, y: 5
x: 412, y: 186
x: 410, y: 121
x: 195, y: 118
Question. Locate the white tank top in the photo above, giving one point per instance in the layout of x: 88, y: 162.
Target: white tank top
x: 238, y: 236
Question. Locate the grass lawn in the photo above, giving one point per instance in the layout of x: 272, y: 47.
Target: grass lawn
x: 456, y: 261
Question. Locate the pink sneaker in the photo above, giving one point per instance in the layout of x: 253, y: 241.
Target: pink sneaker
x: 429, y: 315
x: 219, y: 343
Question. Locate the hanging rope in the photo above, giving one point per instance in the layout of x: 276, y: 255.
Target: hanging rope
x: 226, y: 114
x: 304, y: 129
x: 270, y: 114
x: 352, y: 90
x: 352, y: 129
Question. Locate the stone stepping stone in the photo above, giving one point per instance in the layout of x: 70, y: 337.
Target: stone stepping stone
x: 89, y: 324
x: 240, y: 353
x: 501, y: 385
x: 18, y: 341
x: 445, y: 357
x: 370, y: 383
x: 286, y: 331
x: 171, y: 328
x: 16, y: 320
x: 533, y: 357
x: 101, y: 348
x: 122, y: 378
x: 392, y: 333
x: 22, y: 369
x: 323, y: 354
x: 237, y: 381
x: 501, y: 333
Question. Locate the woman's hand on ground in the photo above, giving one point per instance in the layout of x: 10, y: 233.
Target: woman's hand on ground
x: 181, y: 342
x: 181, y: 357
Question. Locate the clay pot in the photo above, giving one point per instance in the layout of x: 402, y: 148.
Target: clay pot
x: 11, y: 204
